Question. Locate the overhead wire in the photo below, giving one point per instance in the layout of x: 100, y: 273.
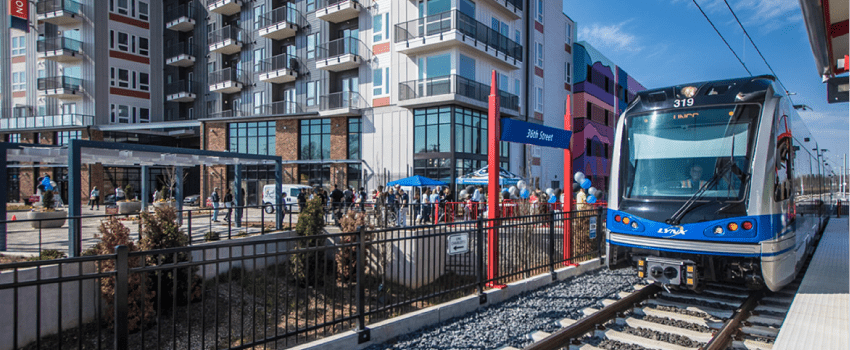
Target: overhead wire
x: 722, y: 38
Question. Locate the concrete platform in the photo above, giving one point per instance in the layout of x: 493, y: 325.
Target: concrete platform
x: 819, y: 317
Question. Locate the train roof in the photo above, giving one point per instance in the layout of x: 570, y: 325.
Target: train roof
x: 749, y: 89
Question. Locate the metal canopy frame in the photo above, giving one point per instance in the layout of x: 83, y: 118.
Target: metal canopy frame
x: 79, y: 152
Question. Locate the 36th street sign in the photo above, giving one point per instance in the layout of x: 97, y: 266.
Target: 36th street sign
x: 535, y: 134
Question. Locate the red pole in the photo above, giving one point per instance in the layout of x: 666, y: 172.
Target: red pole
x: 493, y: 134
x: 568, y: 187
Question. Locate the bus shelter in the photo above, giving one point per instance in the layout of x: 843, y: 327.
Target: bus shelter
x: 79, y: 152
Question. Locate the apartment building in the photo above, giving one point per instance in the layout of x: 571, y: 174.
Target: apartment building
x: 602, y: 92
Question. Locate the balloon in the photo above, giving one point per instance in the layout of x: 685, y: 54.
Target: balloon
x: 549, y: 191
x: 592, y: 191
x: 576, y: 187
x: 557, y: 192
x: 506, y: 195
x: 513, y: 196
x: 600, y: 194
x: 462, y: 194
x: 521, y: 185
x: 591, y: 199
x: 525, y: 193
x: 585, y: 184
x: 513, y: 190
x: 470, y: 189
x: 579, y: 176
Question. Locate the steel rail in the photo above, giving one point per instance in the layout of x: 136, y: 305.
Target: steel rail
x: 722, y: 339
x: 562, y: 337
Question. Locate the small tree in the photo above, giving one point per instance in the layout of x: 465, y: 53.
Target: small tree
x: 311, y: 222
x: 47, y: 201
x: 160, y: 231
x: 129, y: 192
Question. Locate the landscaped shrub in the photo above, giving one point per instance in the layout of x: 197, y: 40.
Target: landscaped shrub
x: 47, y: 201
x: 211, y: 236
x: 48, y: 254
x: 346, y: 257
x: 160, y: 231
x: 310, y: 223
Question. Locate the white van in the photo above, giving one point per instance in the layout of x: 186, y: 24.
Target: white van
x: 292, y: 191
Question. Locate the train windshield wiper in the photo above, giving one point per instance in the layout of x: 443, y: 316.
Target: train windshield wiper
x: 685, y: 208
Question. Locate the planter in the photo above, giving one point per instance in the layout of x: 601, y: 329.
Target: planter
x: 49, y: 219
x: 129, y: 207
x: 163, y: 204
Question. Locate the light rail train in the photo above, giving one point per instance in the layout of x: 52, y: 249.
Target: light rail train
x: 716, y: 181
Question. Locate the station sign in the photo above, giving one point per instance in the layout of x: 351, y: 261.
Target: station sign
x: 458, y: 244
x: 535, y: 134
x: 19, y: 10
x: 592, y: 225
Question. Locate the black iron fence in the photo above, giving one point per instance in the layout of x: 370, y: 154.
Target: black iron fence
x: 282, y: 290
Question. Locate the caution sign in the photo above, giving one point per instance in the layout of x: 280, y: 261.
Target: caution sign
x: 458, y: 243
x: 592, y: 227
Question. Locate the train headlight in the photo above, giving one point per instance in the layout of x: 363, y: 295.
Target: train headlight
x: 747, y: 225
x: 689, y: 91
x: 732, y: 226
x: 634, y: 225
x: 718, y: 230
x: 626, y: 221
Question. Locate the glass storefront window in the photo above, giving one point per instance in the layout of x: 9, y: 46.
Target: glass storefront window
x: 315, y: 139
x: 252, y: 138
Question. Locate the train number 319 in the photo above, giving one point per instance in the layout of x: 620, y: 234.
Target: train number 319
x: 685, y: 102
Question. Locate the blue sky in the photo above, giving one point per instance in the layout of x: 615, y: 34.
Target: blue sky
x: 669, y: 42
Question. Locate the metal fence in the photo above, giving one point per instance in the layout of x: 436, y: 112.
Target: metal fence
x: 275, y: 291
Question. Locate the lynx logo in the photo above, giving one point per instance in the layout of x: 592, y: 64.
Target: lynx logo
x: 672, y: 231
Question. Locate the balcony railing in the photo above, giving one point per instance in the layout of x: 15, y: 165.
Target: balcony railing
x: 464, y: 24
x: 59, y: 43
x: 46, y: 121
x: 181, y: 48
x: 280, y: 15
x: 224, y: 7
x: 343, y: 46
x: 278, y: 108
x: 230, y: 113
x: 454, y: 84
x: 338, y: 10
x: 176, y: 87
x: 188, y: 10
x: 48, y: 6
x: 60, y: 82
x: 226, y: 75
x: 227, y: 32
x: 340, y: 100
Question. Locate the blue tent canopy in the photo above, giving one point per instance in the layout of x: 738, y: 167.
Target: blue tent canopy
x: 417, y: 181
x: 480, y: 177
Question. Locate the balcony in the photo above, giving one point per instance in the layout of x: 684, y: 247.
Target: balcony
x: 180, y: 55
x: 59, y: 12
x: 280, y: 23
x: 60, y: 49
x: 280, y: 69
x: 230, y: 113
x: 340, y: 104
x: 453, y: 89
x: 341, y: 54
x: 338, y: 10
x: 227, y: 40
x: 61, y: 87
x: 510, y: 8
x: 227, y: 81
x: 279, y: 108
x: 224, y: 7
x: 454, y: 28
x: 181, y: 91
x: 46, y: 121
x: 181, y: 18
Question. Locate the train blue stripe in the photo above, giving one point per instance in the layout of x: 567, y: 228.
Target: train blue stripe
x: 763, y: 255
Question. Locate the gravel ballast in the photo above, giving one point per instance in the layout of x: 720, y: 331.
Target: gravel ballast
x: 509, y: 323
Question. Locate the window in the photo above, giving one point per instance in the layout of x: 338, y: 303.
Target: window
x: 539, y: 55
x: 123, y: 78
x: 111, y: 39
x: 380, y: 27
x: 516, y: 87
x: 467, y: 7
x: 123, y: 7
x: 258, y: 59
x: 143, y: 46
x: 315, y: 139
x: 539, y: 100
x: 252, y: 138
x: 567, y: 72
x: 19, y: 45
x: 311, y: 5
x: 312, y: 92
x: 589, y: 111
x: 144, y: 81
x: 119, y: 114
x: 258, y: 14
x: 466, y: 68
x: 13, y: 138
x: 381, y: 81
x: 517, y: 37
x: 259, y: 102
x: 312, y: 41
x: 470, y: 131
x: 569, y: 32
x: 143, y: 11
x: 63, y: 137
x: 432, y: 130
x: 540, y: 11
x: 145, y: 115
x: 354, y: 128
x: 123, y: 42
x: 19, y: 81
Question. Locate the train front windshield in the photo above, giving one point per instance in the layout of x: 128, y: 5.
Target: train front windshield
x: 672, y: 154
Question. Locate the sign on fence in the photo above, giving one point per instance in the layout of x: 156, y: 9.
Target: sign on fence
x: 592, y: 227
x: 458, y: 244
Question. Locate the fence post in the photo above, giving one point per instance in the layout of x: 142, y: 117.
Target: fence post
x: 363, y: 334
x: 190, y: 226
x: 263, y: 219
x: 121, y: 282
x: 479, y: 273
x: 600, y: 235
x: 552, y: 245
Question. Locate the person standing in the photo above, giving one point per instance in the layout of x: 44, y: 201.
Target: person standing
x: 425, y: 206
x: 228, y: 203
x: 435, y: 203
x: 215, y: 198
x: 94, y: 198
x: 362, y: 198
x: 302, y: 199
x: 403, y: 200
x: 347, y: 198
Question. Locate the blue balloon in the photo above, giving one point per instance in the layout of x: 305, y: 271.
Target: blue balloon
x: 591, y: 199
x: 585, y: 184
x: 525, y: 193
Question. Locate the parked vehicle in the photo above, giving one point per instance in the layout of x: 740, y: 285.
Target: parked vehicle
x: 193, y: 200
x: 292, y: 191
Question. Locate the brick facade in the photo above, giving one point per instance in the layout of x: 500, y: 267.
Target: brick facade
x: 339, y: 150
x: 286, y: 146
x: 213, y: 138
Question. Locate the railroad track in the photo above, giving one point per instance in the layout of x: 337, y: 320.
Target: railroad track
x: 719, y: 317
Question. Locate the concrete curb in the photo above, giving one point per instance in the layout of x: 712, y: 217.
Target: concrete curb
x: 389, y: 329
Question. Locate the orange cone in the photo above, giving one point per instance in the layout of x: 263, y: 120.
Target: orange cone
x: 14, y: 218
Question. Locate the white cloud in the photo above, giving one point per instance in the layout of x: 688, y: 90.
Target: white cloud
x: 611, y: 37
x: 757, y: 15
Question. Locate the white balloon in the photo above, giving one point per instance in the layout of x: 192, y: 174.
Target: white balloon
x: 463, y: 194
x: 521, y: 185
x: 579, y: 176
x: 592, y: 191
x: 550, y: 191
x: 513, y: 190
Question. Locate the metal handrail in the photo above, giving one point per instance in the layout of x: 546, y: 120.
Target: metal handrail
x: 279, y: 107
x: 179, y: 86
x: 328, y: 3
x: 463, y: 23
x: 280, y: 15
x: 27, y: 122
x: 230, y: 113
x: 226, y: 32
x: 60, y: 82
x: 47, y: 6
x: 227, y: 74
x: 454, y: 84
x: 282, y: 61
x: 343, y: 46
x: 184, y: 10
x: 343, y: 99
x: 181, y: 48
x: 59, y: 43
